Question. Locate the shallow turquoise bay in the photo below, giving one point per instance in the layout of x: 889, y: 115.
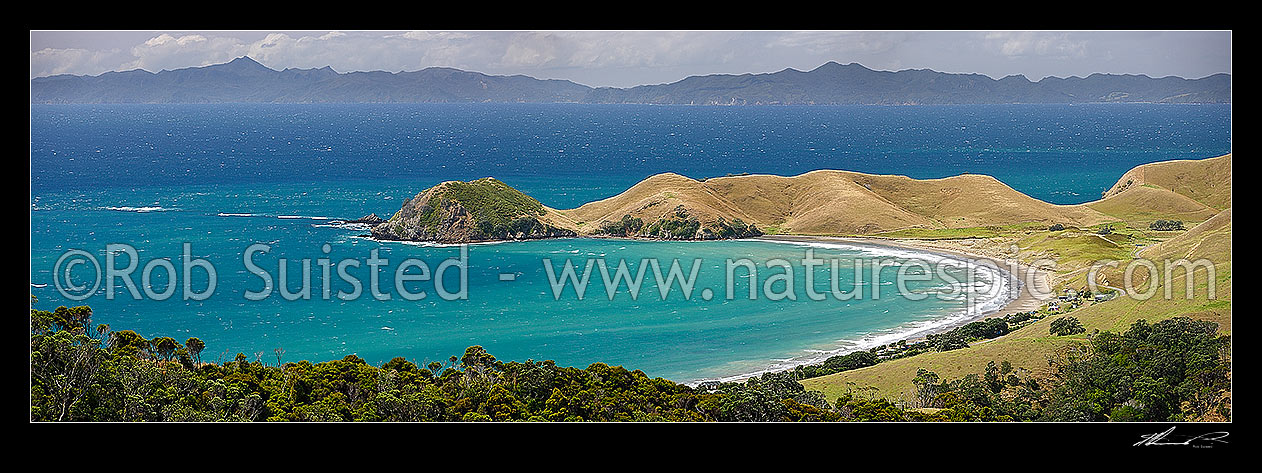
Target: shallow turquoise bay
x: 684, y: 339
x: 223, y: 177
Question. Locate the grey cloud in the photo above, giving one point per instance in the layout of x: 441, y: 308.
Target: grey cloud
x: 627, y: 58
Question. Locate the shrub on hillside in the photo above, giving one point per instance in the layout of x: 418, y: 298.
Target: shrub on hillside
x: 1166, y: 225
x: 1066, y: 326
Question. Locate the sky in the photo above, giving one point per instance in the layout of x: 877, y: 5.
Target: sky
x: 629, y: 58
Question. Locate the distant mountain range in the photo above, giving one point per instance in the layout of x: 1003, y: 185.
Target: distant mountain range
x: 245, y: 80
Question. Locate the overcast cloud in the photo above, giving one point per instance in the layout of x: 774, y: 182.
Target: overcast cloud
x: 628, y: 58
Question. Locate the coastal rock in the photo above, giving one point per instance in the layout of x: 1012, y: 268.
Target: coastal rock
x: 371, y: 219
x: 463, y: 212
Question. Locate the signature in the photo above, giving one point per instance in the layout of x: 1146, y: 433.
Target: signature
x: 1164, y: 438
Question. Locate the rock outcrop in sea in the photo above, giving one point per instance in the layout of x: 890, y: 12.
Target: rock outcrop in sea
x: 464, y: 212
x: 371, y: 220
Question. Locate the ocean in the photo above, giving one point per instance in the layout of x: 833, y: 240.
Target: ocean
x: 223, y: 177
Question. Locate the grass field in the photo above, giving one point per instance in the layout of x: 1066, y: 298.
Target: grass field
x: 1030, y: 347
x: 990, y: 231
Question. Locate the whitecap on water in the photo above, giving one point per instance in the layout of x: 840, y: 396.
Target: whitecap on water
x: 139, y: 209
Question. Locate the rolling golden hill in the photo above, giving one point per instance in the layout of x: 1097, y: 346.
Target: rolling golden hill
x: 1207, y: 181
x: 1211, y: 240
x: 825, y: 202
x: 835, y: 203
x: 1189, y: 190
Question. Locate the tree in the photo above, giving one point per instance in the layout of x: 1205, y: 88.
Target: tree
x: 129, y: 343
x: 953, y: 340
x: 195, y: 346
x: 166, y: 347
x: 1173, y: 370
x: 184, y: 358
x: 401, y: 364
x: 66, y: 364
x: 993, y: 381
x: 1066, y: 326
x: 72, y: 319
x: 927, y: 388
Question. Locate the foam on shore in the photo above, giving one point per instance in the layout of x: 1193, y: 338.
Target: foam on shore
x: 1007, y: 289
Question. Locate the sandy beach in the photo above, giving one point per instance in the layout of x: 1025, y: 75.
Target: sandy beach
x: 1035, y: 287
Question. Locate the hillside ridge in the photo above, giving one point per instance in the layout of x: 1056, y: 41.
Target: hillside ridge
x: 821, y: 202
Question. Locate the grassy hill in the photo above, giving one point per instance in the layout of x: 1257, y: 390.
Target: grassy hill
x: 1029, y: 347
x: 1195, y: 191
x: 826, y: 202
x: 669, y: 199
x: 481, y: 210
x: 1207, y: 181
x: 836, y: 203
x: 1188, y: 190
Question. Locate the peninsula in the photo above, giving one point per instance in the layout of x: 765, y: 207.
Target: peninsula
x: 819, y: 203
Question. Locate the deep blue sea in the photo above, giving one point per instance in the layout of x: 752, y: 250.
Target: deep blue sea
x: 222, y: 177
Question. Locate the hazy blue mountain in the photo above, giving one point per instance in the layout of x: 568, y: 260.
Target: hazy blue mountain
x: 245, y: 80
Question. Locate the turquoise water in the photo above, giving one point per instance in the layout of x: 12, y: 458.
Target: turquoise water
x: 221, y: 178
x: 680, y: 338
